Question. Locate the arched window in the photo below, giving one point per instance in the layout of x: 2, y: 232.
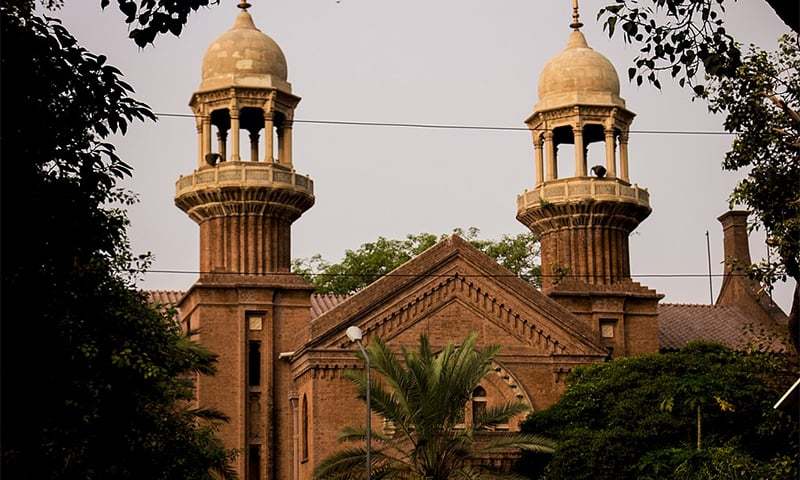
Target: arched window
x: 478, y: 403
x: 305, y: 428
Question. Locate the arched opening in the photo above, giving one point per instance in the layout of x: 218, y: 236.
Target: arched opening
x: 252, y: 120
x: 478, y: 404
x: 564, y: 145
x: 221, y: 121
x: 594, y: 140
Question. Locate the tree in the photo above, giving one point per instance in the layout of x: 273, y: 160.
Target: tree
x: 372, y: 260
x: 638, y: 418
x: 760, y: 96
x: 424, y: 394
x: 147, y: 18
x: 96, y: 383
x: 762, y: 106
x: 684, y: 37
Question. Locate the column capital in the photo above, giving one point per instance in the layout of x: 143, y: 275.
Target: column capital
x: 548, y: 135
x: 623, y: 137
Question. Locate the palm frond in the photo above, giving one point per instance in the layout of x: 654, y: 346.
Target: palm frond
x: 359, y: 434
x: 528, y: 442
x: 500, y: 414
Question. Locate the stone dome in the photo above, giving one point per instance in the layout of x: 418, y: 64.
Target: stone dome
x: 245, y: 57
x: 578, y: 76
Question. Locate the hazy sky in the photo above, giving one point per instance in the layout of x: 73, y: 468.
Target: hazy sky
x: 448, y: 61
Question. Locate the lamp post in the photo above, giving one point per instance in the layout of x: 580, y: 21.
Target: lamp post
x: 355, y: 335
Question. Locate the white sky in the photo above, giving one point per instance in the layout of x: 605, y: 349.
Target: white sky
x: 414, y: 61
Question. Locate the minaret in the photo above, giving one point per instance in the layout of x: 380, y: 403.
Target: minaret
x: 245, y: 194
x: 244, y: 199
x: 584, y: 217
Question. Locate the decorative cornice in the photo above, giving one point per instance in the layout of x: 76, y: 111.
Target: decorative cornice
x: 409, y: 313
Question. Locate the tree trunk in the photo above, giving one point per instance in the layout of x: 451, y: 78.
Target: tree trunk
x: 699, y: 427
x: 788, y: 11
x: 794, y: 318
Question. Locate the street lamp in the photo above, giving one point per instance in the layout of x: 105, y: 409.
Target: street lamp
x: 355, y: 335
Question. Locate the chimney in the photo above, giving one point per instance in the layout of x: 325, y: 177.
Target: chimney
x: 734, y: 230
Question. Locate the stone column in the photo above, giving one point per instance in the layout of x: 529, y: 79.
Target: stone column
x: 235, y: 134
x: 269, y: 129
x: 254, y: 145
x: 281, y: 145
x: 611, y: 164
x: 623, y: 156
x: 552, y: 168
x: 222, y: 144
x: 206, y: 136
x: 286, y: 144
x: 539, y: 158
x: 200, y: 156
x: 580, y: 151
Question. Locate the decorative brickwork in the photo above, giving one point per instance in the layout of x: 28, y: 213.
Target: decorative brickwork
x: 282, y: 350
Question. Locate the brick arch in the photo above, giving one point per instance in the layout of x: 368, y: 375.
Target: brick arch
x: 513, y: 384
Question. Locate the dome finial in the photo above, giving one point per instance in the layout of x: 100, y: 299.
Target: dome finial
x: 244, y: 5
x: 576, y: 17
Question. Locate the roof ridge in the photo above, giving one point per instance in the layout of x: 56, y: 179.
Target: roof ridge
x: 671, y: 304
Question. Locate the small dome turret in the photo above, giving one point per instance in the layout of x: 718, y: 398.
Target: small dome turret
x: 578, y: 75
x: 244, y: 57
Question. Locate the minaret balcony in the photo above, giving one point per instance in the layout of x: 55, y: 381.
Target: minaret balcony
x: 578, y: 189
x: 245, y: 175
x: 231, y: 189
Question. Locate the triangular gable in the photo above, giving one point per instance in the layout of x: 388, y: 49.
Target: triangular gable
x: 455, y: 271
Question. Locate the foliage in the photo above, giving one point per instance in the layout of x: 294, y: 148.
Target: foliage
x: 96, y: 382
x: 147, y: 18
x: 636, y: 418
x: 372, y: 260
x: 424, y: 395
x: 762, y: 103
x: 684, y: 37
x: 760, y: 94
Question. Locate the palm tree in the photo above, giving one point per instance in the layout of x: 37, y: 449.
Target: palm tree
x: 423, y: 394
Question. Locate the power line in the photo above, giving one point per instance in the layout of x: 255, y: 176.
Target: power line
x: 441, y: 275
x: 442, y: 126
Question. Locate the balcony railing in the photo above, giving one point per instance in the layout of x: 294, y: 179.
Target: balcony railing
x: 566, y: 190
x: 245, y: 174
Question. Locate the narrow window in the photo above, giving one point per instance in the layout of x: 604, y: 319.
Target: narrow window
x: 254, y: 364
x: 305, y: 428
x: 478, y: 404
x: 254, y: 463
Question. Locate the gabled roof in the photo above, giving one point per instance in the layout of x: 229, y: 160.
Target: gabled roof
x: 168, y: 298
x: 322, y: 302
x: 437, y: 268
x: 679, y: 324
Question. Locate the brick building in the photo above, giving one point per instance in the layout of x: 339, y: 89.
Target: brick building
x: 282, y: 348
